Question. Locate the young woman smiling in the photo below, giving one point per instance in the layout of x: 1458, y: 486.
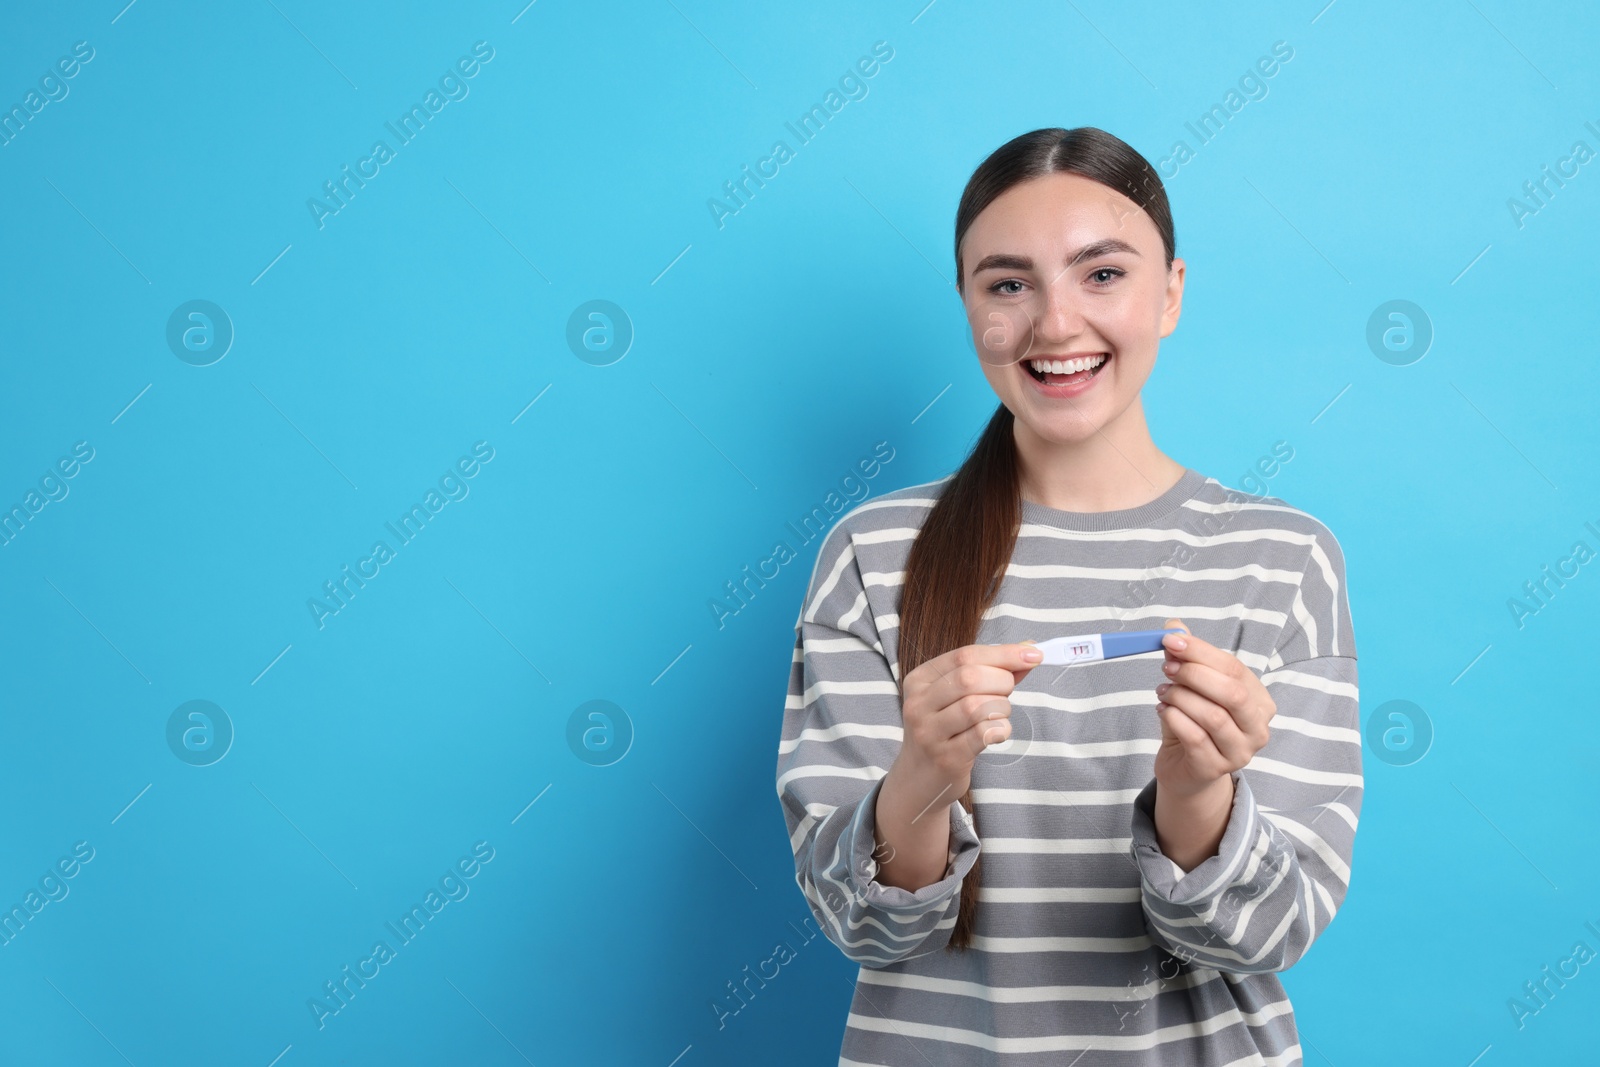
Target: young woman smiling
x: 1162, y: 833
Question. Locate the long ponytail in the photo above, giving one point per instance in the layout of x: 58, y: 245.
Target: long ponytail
x: 953, y: 573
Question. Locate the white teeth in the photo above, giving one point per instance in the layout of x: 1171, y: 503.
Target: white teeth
x: 1065, y: 366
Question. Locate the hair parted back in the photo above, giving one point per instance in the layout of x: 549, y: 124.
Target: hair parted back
x: 960, y: 555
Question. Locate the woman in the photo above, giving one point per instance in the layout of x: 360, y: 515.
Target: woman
x: 1160, y: 834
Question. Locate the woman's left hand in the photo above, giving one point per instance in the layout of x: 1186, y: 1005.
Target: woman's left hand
x: 1214, y: 713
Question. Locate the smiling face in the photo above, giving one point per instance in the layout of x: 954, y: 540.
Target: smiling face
x: 1061, y: 267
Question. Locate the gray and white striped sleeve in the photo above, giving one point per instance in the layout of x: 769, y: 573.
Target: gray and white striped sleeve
x: 1283, y: 866
x: 841, y: 733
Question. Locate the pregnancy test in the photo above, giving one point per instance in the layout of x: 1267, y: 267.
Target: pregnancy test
x: 1086, y: 648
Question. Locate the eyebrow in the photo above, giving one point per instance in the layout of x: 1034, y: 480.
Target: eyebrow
x: 1011, y: 261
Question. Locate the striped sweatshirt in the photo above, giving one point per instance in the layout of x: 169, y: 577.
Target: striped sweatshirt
x: 1091, y: 948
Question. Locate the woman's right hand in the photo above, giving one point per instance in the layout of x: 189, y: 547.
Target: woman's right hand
x: 954, y: 706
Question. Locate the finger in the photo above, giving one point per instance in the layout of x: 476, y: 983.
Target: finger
x: 977, y: 738
x: 1225, y: 690
x: 1188, y: 648
x: 1226, y: 735
x: 1196, y: 741
x: 994, y: 670
x: 971, y: 712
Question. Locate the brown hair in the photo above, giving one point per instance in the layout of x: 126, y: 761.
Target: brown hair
x: 960, y: 555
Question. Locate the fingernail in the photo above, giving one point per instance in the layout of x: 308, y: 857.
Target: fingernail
x: 1176, y: 642
x: 1032, y: 655
x: 1170, y: 668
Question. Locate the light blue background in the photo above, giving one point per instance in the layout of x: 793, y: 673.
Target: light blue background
x: 769, y: 356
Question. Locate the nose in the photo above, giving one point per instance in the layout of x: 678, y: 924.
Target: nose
x: 1060, y: 316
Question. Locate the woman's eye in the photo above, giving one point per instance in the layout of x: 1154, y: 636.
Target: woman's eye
x: 1113, y: 271
x: 995, y: 288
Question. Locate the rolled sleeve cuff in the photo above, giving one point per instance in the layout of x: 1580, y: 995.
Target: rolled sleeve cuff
x: 1165, y: 879
x: 964, y: 846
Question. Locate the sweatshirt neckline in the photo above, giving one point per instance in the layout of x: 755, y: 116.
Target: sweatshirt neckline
x: 1182, y: 491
